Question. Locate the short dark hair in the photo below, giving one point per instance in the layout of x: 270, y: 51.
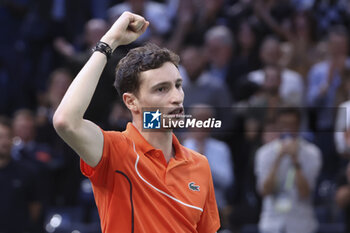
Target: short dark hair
x: 6, y: 122
x: 140, y: 59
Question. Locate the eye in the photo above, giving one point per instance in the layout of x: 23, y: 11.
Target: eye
x: 178, y: 85
x: 161, y: 89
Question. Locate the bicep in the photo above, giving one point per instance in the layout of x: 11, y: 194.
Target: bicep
x: 86, y: 140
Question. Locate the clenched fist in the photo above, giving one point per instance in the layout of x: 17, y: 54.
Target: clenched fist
x: 125, y: 30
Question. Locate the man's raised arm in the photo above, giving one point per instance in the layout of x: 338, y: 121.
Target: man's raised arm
x: 82, y: 135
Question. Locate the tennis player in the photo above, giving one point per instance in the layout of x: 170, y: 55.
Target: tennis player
x: 143, y: 182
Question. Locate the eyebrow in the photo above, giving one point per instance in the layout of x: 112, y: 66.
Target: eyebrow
x: 179, y: 80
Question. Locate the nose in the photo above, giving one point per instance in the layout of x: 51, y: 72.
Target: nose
x: 177, y: 96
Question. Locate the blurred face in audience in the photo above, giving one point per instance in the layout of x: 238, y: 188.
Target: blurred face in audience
x: 270, y: 132
x: 192, y: 61
x: 272, y: 79
x: 5, y: 142
x: 270, y: 52
x: 218, y: 53
x: 94, y: 30
x: 302, y: 26
x: 246, y: 37
x: 338, y: 45
x: 24, y: 127
x: 288, y: 123
x: 59, y: 84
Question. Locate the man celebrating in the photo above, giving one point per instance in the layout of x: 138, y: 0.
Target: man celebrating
x: 142, y: 181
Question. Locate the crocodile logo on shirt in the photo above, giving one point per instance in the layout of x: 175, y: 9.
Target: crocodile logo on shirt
x: 193, y: 187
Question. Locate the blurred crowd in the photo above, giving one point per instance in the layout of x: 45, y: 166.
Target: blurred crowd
x: 276, y: 71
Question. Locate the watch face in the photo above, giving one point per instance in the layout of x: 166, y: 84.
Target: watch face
x: 103, y: 48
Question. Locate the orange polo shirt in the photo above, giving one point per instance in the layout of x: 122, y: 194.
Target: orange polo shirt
x: 137, y: 191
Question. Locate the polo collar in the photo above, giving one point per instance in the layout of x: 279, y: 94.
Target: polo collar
x: 133, y: 133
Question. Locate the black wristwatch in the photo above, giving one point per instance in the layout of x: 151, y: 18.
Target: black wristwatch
x: 104, y: 48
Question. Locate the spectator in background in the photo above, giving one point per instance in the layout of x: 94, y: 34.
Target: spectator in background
x: 76, y: 55
x: 183, y: 24
x: 292, y: 87
x: 330, y: 13
x: 58, y: 83
x: 266, y: 102
x: 286, y: 170
x: 63, y: 169
x: 342, y: 195
x: 342, y: 123
x: 274, y: 16
x: 45, y: 21
x: 217, y: 153
x: 245, y: 201
x: 205, y: 14
x: 297, y: 29
x: 154, y: 12
x: 219, y: 51
x: 324, y: 81
x: 26, y: 148
x: 198, y: 79
x: 246, y: 58
x: 21, y: 208
x: 118, y: 117
x: 301, y: 5
x: 75, y: 58
x: 216, y: 93
x: 301, y: 48
x: 270, y: 132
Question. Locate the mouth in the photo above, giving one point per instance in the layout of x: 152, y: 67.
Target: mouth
x: 177, y: 111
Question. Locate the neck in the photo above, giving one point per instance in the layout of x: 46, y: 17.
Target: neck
x: 162, y: 140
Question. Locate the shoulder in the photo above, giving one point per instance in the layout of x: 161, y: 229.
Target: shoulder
x: 291, y: 75
x: 319, y: 67
x: 311, y: 149
x: 345, y: 104
x: 256, y: 76
x: 220, y: 146
x: 267, y: 148
x: 113, y: 136
x: 115, y: 139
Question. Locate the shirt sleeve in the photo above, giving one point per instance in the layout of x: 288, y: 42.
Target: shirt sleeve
x: 113, y: 144
x: 210, y: 220
x: 316, y: 79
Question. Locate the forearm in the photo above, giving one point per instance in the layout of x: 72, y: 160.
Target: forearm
x: 78, y: 96
x: 302, y: 184
x: 270, y: 182
x: 270, y: 22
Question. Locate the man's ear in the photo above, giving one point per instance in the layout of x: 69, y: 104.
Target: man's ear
x: 131, y: 102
